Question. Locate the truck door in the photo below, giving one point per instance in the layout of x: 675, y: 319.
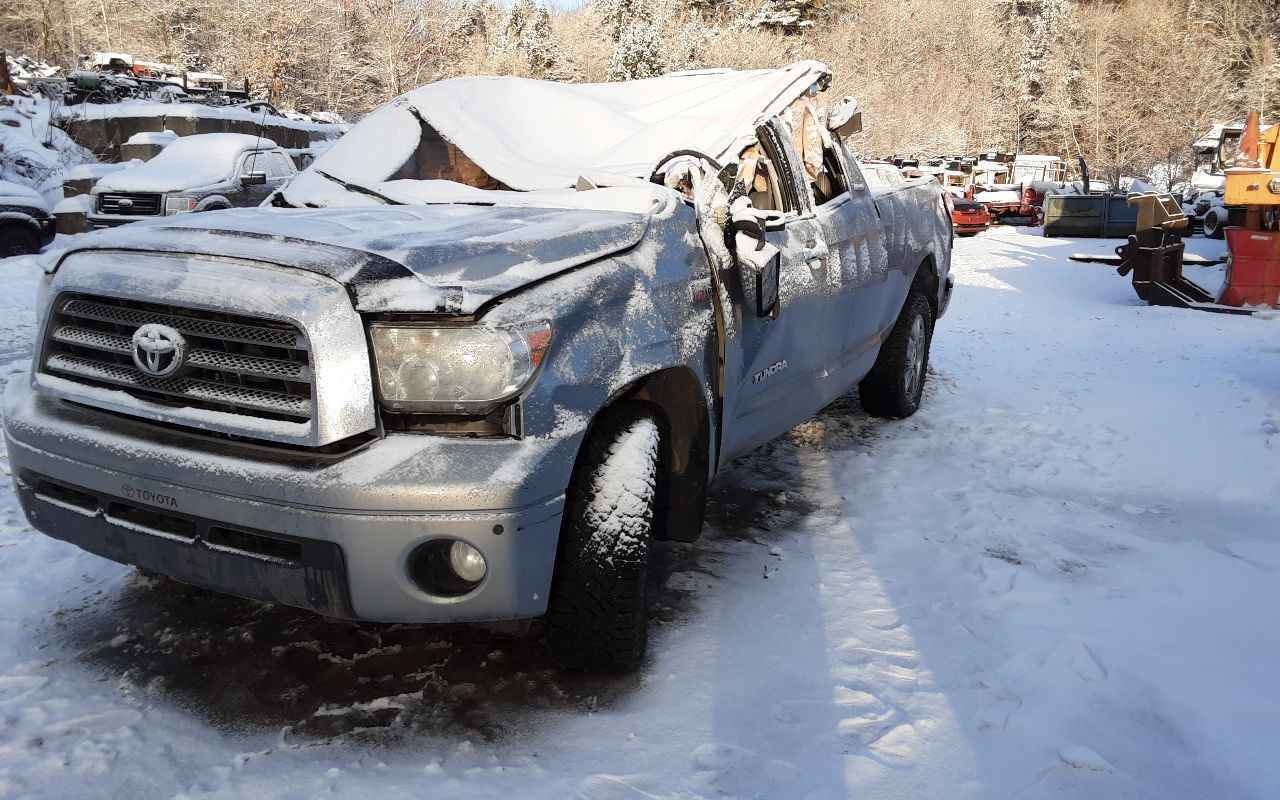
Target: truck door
x: 859, y: 262
x: 253, y: 194
x: 776, y: 363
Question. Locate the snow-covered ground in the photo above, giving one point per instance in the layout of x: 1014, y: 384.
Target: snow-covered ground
x: 1058, y: 580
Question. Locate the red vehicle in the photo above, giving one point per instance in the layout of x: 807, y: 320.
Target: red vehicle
x: 968, y: 217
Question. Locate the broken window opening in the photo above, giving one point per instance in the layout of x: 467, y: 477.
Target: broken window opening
x: 831, y: 182
x: 437, y: 159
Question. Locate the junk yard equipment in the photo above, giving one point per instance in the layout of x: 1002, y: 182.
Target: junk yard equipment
x: 1202, y: 195
x: 1155, y: 256
x: 1253, y: 186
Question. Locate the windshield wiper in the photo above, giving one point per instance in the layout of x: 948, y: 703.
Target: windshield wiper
x: 357, y: 188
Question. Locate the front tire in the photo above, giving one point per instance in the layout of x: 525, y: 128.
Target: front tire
x: 894, y: 387
x: 17, y: 239
x: 597, y: 617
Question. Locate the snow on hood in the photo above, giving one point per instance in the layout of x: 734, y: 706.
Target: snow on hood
x: 397, y: 258
x: 16, y: 194
x: 163, y: 137
x: 531, y: 134
x: 1001, y: 196
x: 189, y: 162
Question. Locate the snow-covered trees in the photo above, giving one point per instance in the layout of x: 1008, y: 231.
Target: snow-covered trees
x: 525, y: 36
x: 1126, y: 82
x: 638, y: 53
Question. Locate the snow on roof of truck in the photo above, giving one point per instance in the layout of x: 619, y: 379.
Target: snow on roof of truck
x: 531, y: 134
x: 188, y: 162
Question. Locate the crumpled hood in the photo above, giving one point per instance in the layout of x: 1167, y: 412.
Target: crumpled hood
x: 443, y: 258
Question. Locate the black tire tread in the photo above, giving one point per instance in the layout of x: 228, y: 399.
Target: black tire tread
x: 17, y: 239
x: 597, y: 616
x: 881, y: 392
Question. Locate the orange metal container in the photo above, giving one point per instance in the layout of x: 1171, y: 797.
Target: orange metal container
x: 1253, y: 278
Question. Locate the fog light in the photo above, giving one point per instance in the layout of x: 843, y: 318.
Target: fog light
x: 466, y: 562
x: 447, y: 567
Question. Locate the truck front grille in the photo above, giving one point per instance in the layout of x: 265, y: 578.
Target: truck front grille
x: 235, y: 364
x: 142, y: 205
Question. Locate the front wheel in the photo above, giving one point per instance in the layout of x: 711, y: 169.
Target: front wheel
x: 597, y: 616
x: 18, y: 239
x: 895, y: 385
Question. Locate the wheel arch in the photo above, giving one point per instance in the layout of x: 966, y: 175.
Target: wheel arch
x: 214, y: 202
x: 677, y: 400
x: 926, y: 282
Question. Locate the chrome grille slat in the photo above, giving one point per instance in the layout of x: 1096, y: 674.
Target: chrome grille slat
x: 135, y: 204
x: 221, y: 393
x: 234, y: 363
x: 201, y: 358
x: 213, y: 329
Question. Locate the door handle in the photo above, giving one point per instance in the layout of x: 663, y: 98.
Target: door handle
x: 817, y: 263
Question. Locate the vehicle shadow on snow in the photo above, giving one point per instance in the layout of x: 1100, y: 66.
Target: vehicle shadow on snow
x: 244, y: 664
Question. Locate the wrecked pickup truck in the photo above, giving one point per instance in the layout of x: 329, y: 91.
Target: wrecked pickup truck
x: 483, y: 352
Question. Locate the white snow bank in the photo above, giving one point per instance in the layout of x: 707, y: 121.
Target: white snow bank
x: 1030, y: 589
x: 146, y: 108
x: 1001, y: 196
x: 189, y: 162
x: 94, y: 171
x: 16, y: 193
x: 162, y: 138
x: 80, y: 204
x: 33, y: 152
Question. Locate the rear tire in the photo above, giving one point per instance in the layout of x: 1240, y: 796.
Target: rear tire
x: 17, y: 239
x: 1214, y: 226
x: 597, y: 617
x: 894, y: 387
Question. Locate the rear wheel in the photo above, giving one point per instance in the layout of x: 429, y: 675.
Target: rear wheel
x: 895, y: 385
x: 1215, y: 224
x: 18, y: 239
x: 597, y: 617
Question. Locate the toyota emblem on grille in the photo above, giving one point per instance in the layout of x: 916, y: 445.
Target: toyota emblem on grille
x: 158, y: 350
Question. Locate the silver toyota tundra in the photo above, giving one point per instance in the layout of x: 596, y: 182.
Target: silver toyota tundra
x: 482, y: 353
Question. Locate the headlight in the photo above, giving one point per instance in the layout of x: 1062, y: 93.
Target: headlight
x: 452, y: 370
x: 179, y: 204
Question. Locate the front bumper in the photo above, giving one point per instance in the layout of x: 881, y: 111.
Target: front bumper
x: 98, y: 222
x: 333, y: 536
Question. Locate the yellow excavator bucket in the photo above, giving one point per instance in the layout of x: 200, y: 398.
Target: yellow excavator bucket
x: 1157, y: 210
x: 1255, y: 178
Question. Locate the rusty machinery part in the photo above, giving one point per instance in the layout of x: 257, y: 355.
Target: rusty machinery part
x: 1253, y: 190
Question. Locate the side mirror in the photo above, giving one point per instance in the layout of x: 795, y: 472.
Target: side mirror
x: 844, y: 117
x: 253, y: 179
x: 768, y: 303
x: 756, y: 255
